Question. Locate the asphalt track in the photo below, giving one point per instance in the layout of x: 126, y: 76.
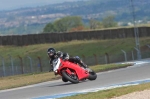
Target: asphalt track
x: 140, y: 71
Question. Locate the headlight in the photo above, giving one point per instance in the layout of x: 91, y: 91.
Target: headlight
x: 56, y: 71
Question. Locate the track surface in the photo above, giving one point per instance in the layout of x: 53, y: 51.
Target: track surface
x: 134, y: 73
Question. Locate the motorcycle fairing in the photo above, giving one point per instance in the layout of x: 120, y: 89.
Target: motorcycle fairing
x: 81, y: 73
x: 56, y: 63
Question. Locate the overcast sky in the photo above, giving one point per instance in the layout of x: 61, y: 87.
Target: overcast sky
x: 13, y: 4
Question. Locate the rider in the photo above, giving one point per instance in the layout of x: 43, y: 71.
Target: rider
x: 53, y: 55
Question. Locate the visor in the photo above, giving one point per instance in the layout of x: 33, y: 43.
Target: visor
x: 50, y: 53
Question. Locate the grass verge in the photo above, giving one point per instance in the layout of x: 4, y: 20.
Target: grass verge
x: 28, y: 79
x: 107, y: 94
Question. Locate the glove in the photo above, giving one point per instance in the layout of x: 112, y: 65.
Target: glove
x: 65, y: 56
x: 59, y: 54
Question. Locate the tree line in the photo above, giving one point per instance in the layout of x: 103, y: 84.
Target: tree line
x: 75, y: 23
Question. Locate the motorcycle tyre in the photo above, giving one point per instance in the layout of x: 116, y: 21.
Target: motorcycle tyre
x: 92, y: 75
x: 66, y: 76
x: 64, y: 79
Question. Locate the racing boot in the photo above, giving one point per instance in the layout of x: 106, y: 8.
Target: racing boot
x: 85, y: 67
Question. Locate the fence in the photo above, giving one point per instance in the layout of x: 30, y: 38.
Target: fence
x: 20, y: 40
x: 17, y: 65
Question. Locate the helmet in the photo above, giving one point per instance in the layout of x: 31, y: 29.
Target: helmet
x: 51, y: 51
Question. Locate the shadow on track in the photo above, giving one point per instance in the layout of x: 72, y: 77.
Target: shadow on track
x: 67, y: 84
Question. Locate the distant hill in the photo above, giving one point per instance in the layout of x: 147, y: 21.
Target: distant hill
x: 37, y: 17
x: 15, y: 4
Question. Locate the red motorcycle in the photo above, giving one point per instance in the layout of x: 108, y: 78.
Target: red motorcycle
x: 72, y: 72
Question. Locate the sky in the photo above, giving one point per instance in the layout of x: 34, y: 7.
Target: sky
x: 14, y: 4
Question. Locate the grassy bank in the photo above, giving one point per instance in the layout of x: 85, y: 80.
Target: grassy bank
x: 107, y: 94
x: 99, y: 47
x: 28, y: 79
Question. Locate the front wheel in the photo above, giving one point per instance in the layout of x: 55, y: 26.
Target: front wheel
x: 92, y: 75
x: 71, y: 78
x: 64, y: 79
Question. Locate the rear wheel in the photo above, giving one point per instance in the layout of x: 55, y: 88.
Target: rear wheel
x: 92, y: 75
x: 72, y: 78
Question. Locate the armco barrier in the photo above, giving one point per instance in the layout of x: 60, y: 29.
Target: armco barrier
x: 21, y: 40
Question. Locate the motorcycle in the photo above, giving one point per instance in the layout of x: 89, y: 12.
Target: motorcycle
x: 72, y: 72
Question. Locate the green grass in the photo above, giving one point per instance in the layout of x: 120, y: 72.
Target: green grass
x: 107, y: 94
x: 106, y: 67
x: 85, y: 47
